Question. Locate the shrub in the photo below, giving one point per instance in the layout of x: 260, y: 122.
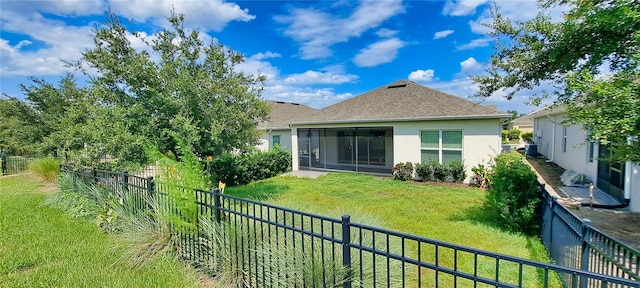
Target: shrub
x: 514, y: 193
x: 505, y: 136
x: 457, y: 170
x: 513, y: 134
x: 480, y: 176
x: 441, y: 172
x: 403, y: 171
x: 425, y: 169
x: 246, y: 168
x: 527, y: 137
x: 46, y: 168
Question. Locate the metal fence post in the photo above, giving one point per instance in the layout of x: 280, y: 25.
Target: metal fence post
x: 125, y: 180
x: 3, y: 155
x: 346, y: 250
x: 150, y: 191
x: 584, y: 265
x: 554, y: 203
x: 216, y: 203
x: 95, y: 175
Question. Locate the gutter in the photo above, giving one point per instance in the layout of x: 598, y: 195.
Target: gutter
x: 436, y: 118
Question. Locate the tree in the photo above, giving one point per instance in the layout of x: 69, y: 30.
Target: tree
x: 192, y: 91
x: 19, y: 127
x: 592, y: 58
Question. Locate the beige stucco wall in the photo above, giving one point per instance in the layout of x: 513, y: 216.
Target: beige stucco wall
x: 576, y: 157
x: 481, y: 139
x: 267, y: 137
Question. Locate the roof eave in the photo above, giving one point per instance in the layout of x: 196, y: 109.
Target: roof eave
x: 436, y: 118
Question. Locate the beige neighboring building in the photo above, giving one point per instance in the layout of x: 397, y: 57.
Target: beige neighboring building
x: 276, y: 130
x: 568, y: 147
x: 399, y: 122
x: 524, y: 123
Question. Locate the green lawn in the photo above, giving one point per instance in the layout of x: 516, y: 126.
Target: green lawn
x: 43, y: 247
x: 451, y: 214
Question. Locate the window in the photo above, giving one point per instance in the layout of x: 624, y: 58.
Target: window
x: 564, y: 139
x: 443, y: 146
x: 275, y: 140
x: 591, y: 151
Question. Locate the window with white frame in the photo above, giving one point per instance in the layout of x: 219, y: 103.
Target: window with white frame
x: 441, y: 145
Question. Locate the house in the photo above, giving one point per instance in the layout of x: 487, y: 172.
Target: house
x: 399, y: 122
x: 276, y: 130
x: 523, y: 123
x: 568, y: 146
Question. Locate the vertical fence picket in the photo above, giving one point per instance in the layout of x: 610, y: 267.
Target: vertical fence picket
x: 346, y: 250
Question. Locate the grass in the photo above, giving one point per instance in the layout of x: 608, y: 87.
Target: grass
x: 42, y: 246
x: 451, y: 214
x: 46, y: 168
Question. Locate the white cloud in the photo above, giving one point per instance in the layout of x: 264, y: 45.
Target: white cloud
x: 212, y: 15
x: 385, y: 33
x: 316, y: 98
x: 471, y: 66
x: 378, y: 53
x: 461, y: 7
x: 442, y: 34
x: 61, y: 43
x: 315, y: 77
x: 316, y: 31
x: 475, y: 43
x: 57, y: 7
x: 254, y: 66
x: 266, y: 55
x: 521, y: 10
x: 422, y: 75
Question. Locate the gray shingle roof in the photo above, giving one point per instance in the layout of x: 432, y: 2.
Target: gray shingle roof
x: 401, y: 101
x: 283, y: 113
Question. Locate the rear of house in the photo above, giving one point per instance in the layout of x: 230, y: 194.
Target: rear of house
x: 567, y: 146
x: 399, y: 122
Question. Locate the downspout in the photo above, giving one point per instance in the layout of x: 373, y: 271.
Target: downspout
x: 553, y: 140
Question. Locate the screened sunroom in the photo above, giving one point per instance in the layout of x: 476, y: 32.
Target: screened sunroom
x: 365, y: 150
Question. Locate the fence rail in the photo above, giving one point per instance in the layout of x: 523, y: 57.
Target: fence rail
x: 262, y: 245
x: 573, y: 242
x: 14, y: 164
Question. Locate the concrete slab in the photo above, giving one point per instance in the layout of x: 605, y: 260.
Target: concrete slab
x: 581, y: 194
x: 305, y: 174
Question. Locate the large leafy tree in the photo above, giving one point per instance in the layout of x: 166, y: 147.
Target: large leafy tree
x: 176, y: 86
x: 19, y: 128
x: 592, y: 57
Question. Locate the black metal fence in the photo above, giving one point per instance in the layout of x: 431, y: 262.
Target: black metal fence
x: 14, y: 164
x: 262, y: 245
x: 573, y: 242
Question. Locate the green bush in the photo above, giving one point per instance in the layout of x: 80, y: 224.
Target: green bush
x: 46, y: 168
x: 480, y: 176
x: 457, y: 170
x: 513, y: 134
x: 514, y: 193
x: 441, y: 172
x: 246, y: 168
x: 505, y: 136
x: 527, y: 137
x: 403, y: 171
x: 425, y: 169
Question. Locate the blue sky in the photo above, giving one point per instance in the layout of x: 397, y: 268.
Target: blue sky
x: 312, y: 52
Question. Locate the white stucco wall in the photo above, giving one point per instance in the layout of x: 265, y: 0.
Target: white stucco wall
x: 632, y: 187
x: 267, y: 139
x: 576, y: 156
x: 481, y: 139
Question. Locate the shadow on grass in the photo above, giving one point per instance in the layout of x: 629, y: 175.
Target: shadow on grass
x: 259, y: 191
x: 482, y: 214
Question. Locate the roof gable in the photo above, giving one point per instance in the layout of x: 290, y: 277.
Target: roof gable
x: 402, y: 100
x: 283, y: 113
